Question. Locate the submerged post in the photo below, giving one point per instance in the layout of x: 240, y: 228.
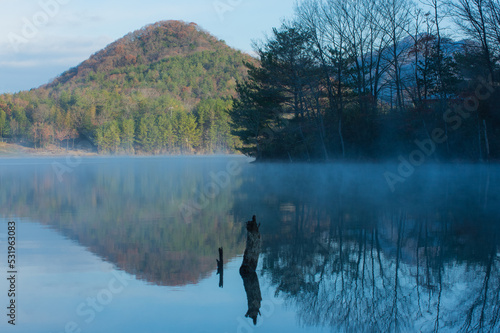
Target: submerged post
x: 248, y: 267
x: 252, y: 250
x: 220, y: 268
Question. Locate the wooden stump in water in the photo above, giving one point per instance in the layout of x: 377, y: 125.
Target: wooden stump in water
x: 248, y: 267
x: 252, y: 250
x: 220, y: 268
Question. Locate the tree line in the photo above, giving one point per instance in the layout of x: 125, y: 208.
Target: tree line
x: 369, y: 79
x: 162, y: 126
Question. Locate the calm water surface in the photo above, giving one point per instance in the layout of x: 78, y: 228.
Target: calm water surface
x: 129, y: 245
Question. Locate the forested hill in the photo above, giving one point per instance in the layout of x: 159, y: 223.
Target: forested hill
x: 144, y: 47
x: 165, y: 88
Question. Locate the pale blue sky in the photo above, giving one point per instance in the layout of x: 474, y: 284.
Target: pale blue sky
x: 40, y: 39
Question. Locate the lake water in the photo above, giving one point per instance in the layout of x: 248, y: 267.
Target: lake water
x: 130, y: 245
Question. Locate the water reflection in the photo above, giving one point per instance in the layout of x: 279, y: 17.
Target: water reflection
x: 254, y: 296
x: 402, y: 274
x: 127, y: 211
x: 344, y: 251
x: 424, y: 259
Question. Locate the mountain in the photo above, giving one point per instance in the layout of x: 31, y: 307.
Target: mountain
x: 407, y: 51
x: 146, y: 49
x: 165, y: 88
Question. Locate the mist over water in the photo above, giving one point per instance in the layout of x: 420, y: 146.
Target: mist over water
x: 341, y: 249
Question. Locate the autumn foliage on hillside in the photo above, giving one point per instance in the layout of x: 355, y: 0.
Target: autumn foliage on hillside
x: 166, y: 88
x: 145, y: 46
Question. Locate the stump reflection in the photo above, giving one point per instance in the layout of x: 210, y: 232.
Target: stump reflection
x: 248, y: 267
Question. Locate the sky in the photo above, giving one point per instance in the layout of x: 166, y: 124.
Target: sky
x: 41, y: 39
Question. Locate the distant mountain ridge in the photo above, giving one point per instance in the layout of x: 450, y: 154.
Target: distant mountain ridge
x: 406, y: 48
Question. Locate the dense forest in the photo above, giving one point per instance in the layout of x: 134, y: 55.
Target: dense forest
x: 166, y: 88
x: 373, y: 79
x: 357, y: 80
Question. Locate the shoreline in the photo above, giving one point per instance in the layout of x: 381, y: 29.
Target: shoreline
x: 14, y: 150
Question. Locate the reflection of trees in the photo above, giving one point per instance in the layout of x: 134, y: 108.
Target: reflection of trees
x: 396, y: 275
x: 336, y: 244
x: 425, y: 259
x: 127, y: 211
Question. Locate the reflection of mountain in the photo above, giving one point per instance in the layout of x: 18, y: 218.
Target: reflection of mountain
x: 337, y: 244
x: 128, y: 213
x: 359, y: 259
